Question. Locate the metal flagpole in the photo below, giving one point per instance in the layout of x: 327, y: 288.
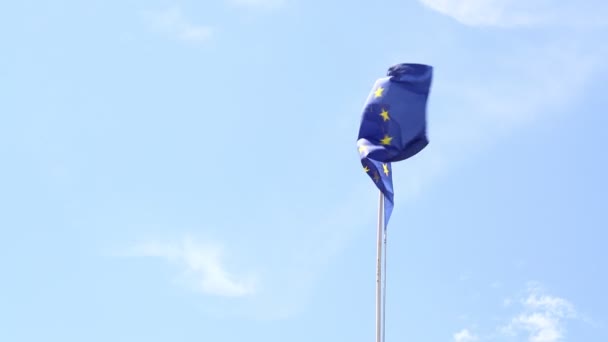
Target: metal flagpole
x: 384, y: 288
x: 379, y: 271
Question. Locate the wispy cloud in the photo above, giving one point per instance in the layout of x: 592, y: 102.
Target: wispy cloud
x: 287, y: 265
x: 202, y: 264
x: 543, y: 317
x: 533, y: 82
x: 480, y: 12
x: 464, y: 335
x: 521, y: 13
x: 534, y: 316
x: 264, y: 4
x: 174, y: 23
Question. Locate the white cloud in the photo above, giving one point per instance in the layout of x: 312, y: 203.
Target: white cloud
x: 500, y: 88
x: 534, y: 316
x: 464, y: 336
x: 202, y: 264
x: 479, y: 12
x: 279, y: 287
x: 516, y: 13
x: 173, y: 23
x: 543, y: 317
x: 266, y: 4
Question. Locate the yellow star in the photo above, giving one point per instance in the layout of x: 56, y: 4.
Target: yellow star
x: 385, y: 168
x: 366, y: 169
x: 376, y: 177
x: 386, y: 140
x: 384, y: 115
x: 362, y: 149
x: 379, y: 91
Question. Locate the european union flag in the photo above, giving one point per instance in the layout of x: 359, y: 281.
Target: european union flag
x: 393, y: 125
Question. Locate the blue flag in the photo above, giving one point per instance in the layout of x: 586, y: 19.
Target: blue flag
x: 393, y: 125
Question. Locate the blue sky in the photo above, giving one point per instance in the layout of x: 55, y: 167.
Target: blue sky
x: 187, y: 171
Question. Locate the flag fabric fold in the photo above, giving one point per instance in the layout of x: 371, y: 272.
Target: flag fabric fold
x: 393, y: 124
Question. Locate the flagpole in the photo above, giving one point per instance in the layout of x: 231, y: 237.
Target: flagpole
x: 379, y: 271
x: 384, y: 247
